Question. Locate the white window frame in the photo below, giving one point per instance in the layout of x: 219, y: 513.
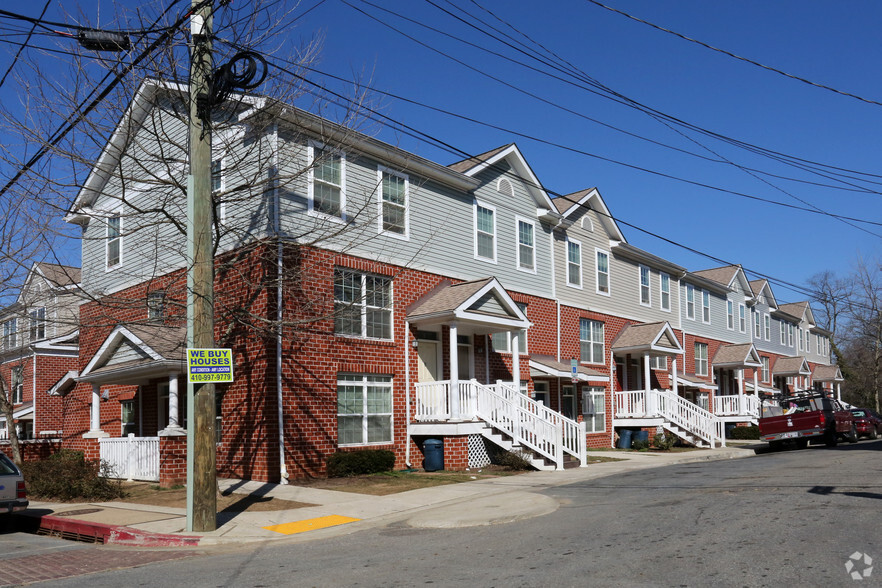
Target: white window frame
x: 598, y: 273
x: 742, y: 318
x: 808, y: 341
x: 532, y: 247
x: 730, y: 315
x: 790, y: 329
x: 16, y: 384
x: 477, y: 205
x: 217, y: 192
x: 590, y: 413
x: 799, y: 338
x: 767, y: 327
x: 109, y: 241
x: 502, y: 341
x: 364, y: 381
x: 757, y: 325
x: 361, y: 303
x: 38, y: 323
x: 690, y: 302
x: 645, y: 279
x: 766, y: 375
x: 311, y: 209
x: 701, y: 360
x: 782, y: 328
x: 382, y: 172
x: 123, y: 406
x: 665, y: 291
x: 705, y: 307
x: 658, y: 362
x: 571, y: 265
x: 10, y: 333
x: 594, y: 355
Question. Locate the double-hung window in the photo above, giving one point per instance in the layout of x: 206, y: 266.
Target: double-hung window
x: 767, y: 327
x: 742, y: 318
x: 362, y: 304
x: 217, y: 187
x: 808, y: 342
x: 591, y: 342
x: 645, y: 296
x: 38, y: 323
x: 783, y: 332
x: 730, y: 315
x: 502, y: 341
x: 156, y: 305
x: 705, y: 306
x: 766, y: 373
x: 485, y: 232
x: 701, y: 359
x: 665, y: 291
x: 799, y: 338
x: 113, y: 244
x: 17, y: 384
x: 574, y: 263
x: 394, y: 196
x: 526, y: 246
x: 603, y: 286
x: 127, y: 417
x: 594, y: 409
x: 327, y: 183
x: 10, y: 334
x: 789, y: 334
x: 757, y: 325
x: 364, y: 409
x: 690, y: 301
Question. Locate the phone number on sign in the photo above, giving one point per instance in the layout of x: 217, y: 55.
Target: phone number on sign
x: 211, y: 378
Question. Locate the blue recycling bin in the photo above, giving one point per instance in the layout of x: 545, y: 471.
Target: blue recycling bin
x: 433, y: 455
x: 625, y: 438
x: 640, y: 436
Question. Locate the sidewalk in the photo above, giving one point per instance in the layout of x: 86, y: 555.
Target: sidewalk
x: 484, y: 502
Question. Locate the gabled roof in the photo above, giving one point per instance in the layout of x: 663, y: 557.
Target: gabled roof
x: 727, y: 276
x: 145, y: 99
x: 513, y: 156
x: 56, y: 276
x: 654, y: 338
x: 739, y: 355
x: 65, y: 384
x: 571, y: 206
x: 798, y: 310
x: 136, y: 353
x: 827, y: 373
x: 791, y: 366
x: 545, y: 365
x: 482, y: 305
x: 758, y: 286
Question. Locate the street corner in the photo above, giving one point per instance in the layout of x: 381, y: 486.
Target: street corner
x: 489, y: 510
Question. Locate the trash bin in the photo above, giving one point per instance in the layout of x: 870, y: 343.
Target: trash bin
x: 640, y: 436
x: 433, y: 455
x: 625, y: 438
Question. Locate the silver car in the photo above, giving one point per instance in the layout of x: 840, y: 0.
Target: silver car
x: 13, y: 496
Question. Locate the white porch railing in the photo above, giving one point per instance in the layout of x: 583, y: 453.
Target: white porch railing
x: 671, y: 407
x: 736, y: 405
x: 132, y: 458
x: 504, y: 407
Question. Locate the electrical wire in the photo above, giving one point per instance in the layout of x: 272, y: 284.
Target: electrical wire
x: 735, y: 56
x: 23, y: 45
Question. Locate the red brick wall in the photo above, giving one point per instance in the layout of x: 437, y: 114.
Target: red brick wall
x: 32, y: 450
x: 173, y: 461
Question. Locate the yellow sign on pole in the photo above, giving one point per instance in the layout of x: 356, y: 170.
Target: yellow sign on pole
x: 209, y: 365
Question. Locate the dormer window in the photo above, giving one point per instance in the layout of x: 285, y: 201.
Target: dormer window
x: 38, y: 323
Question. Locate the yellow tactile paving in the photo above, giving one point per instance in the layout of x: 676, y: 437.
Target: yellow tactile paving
x: 310, y: 524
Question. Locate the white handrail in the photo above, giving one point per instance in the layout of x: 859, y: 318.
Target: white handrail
x: 687, y: 415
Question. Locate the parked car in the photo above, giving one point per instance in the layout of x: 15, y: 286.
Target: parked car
x: 13, y: 494
x: 867, y: 422
x: 804, y: 417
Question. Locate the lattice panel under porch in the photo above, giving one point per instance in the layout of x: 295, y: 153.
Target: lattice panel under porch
x: 478, y: 456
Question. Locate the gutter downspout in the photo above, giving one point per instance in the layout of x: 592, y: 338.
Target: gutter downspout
x: 407, y: 393
x: 277, y: 227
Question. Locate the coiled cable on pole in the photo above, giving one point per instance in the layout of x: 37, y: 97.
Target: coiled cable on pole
x: 245, y: 71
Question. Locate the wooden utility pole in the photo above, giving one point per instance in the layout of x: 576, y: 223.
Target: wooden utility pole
x: 201, y: 468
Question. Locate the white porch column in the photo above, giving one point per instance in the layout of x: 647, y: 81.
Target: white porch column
x: 650, y: 399
x: 674, y: 374
x: 740, y: 376
x: 838, y: 392
x: 95, y: 424
x: 174, y: 427
x: 95, y: 431
x: 516, y: 359
x: 454, y: 374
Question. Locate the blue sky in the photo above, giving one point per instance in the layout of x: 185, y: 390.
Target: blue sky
x: 564, y: 129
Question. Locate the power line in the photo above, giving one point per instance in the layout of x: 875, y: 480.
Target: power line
x: 23, y: 45
x: 734, y: 56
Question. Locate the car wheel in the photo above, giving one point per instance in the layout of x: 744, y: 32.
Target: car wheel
x: 853, y: 437
x: 874, y: 434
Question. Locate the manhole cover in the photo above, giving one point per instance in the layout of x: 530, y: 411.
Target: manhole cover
x: 73, y: 513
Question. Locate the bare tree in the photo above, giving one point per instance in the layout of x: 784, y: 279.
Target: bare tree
x: 864, y: 331
x: 831, y: 305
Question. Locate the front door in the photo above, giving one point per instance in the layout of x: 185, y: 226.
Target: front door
x: 428, y: 361
x: 432, y: 399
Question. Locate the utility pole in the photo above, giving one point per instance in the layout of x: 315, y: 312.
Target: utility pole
x: 201, y: 463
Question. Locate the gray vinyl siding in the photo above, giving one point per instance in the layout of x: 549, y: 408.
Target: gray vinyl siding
x: 441, y: 225
x: 716, y: 329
